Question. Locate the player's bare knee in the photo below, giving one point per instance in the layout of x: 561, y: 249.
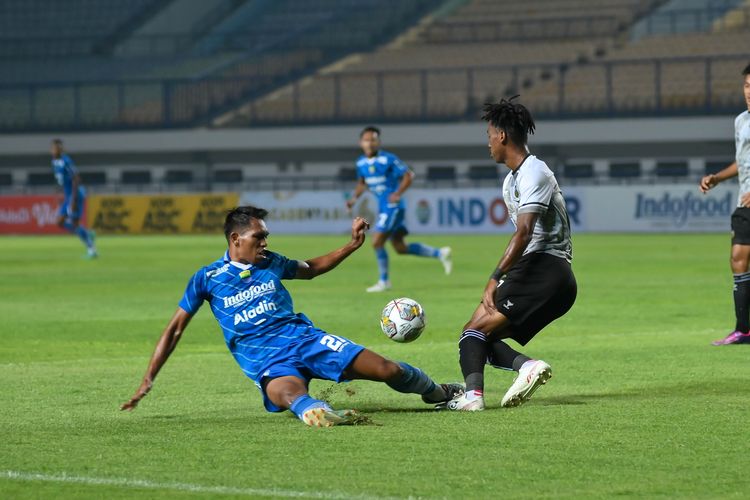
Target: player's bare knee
x: 389, y: 370
x: 477, y: 327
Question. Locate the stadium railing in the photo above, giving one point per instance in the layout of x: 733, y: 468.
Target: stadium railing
x: 698, y: 19
x: 344, y: 178
x: 525, y: 29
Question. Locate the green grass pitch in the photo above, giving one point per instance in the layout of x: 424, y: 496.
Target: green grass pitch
x: 639, y: 405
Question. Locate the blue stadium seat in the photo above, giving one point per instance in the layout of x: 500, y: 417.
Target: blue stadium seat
x: 578, y: 171
x: 136, y: 177
x: 624, y: 170
x: 228, y: 176
x: 671, y: 169
x: 483, y: 172
x: 441, y: 174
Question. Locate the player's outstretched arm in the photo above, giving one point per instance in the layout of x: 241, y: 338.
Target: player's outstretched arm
x: 516, y: 246
x: 406, y: 181
x: 361, y: 186
x: 168, y: 341
x: 319, y: 265
x: 711, y: 180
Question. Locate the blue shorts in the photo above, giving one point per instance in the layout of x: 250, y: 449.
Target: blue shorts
x: 391, y: 221
x: 65, y: 208
x: 317, y: 354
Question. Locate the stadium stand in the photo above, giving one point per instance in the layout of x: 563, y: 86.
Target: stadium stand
x: 139, y: 68
x: 257, y: 63
x: 455, y: 63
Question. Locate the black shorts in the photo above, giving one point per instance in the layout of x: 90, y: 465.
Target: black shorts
x: 536, y: 291
x: 741, y: 226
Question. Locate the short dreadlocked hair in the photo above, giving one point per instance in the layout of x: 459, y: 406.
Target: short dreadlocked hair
x: 512, y: 118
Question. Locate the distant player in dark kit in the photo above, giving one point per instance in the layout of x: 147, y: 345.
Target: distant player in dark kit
x: 386, y: 176
x: 74, y: 202
x: 533, y: 284
x: 279, y: 350
x: 740, y: 257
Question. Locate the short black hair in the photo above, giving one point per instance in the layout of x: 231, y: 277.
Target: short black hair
x: 57, y: 141
x: 746, y: 71
x: 240, y: 217
x: 513, y: 118
x: 370, y: 128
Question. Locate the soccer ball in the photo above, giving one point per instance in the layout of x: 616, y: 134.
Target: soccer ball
x: 403, y: 320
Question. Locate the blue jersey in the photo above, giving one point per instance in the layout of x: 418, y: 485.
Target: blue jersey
x: 256, y: 309
x: 65, y: 170
x: 382, y: 173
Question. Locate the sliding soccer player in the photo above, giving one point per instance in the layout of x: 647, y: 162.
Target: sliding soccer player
x: 279, y: 350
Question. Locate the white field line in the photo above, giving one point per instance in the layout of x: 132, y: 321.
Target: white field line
x: 192, y: 488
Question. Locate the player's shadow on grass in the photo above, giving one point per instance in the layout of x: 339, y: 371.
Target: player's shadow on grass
x: 382, y: 409
x: 683, y: 390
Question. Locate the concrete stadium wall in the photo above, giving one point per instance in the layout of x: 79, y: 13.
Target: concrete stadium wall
x: 554, y: 141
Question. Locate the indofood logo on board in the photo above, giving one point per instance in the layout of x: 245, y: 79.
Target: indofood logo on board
x: 681, y: 210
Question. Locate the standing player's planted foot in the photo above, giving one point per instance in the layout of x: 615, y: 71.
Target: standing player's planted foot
x: 468, y: 401
x: 380, y: 286
x: 733, y: 338
x: 532, y: 374
x: 451, y: 391
x: 445, y: 259
x: 323, y: 417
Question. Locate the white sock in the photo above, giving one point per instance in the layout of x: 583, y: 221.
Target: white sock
x: 528, y: 364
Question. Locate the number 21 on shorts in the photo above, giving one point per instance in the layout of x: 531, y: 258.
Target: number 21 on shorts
x: 334, y: 342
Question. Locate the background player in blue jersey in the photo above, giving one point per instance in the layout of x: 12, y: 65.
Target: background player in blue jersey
x: 279, y: 350
x: 387, y: 177
x: 74, y: 203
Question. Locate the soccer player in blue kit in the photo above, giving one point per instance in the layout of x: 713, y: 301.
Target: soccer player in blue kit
x: 386, y: 176
x: 71, y: 209
x: 279, y: 350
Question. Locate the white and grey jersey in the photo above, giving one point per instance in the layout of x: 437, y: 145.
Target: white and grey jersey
x: 742, y: 155
x: 533, y: 188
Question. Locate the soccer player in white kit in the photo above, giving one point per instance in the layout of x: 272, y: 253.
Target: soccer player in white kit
x: 533, y: 284
x: 740, y: 221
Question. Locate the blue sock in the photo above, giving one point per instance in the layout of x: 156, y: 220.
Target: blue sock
x: 83, y: 235
x: 413, y: 381
x: 382, y: 257
x: 303, y: 403
x: 422, y: 250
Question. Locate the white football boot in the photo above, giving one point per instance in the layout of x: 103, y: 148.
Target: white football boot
x: 468, y: 401
x: 446, y: 260
x: 380, y: 286
x: 451, y: 391
x: 532, y: 374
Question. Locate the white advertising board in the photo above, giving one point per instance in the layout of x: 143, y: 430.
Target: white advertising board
x: 627, y: 208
